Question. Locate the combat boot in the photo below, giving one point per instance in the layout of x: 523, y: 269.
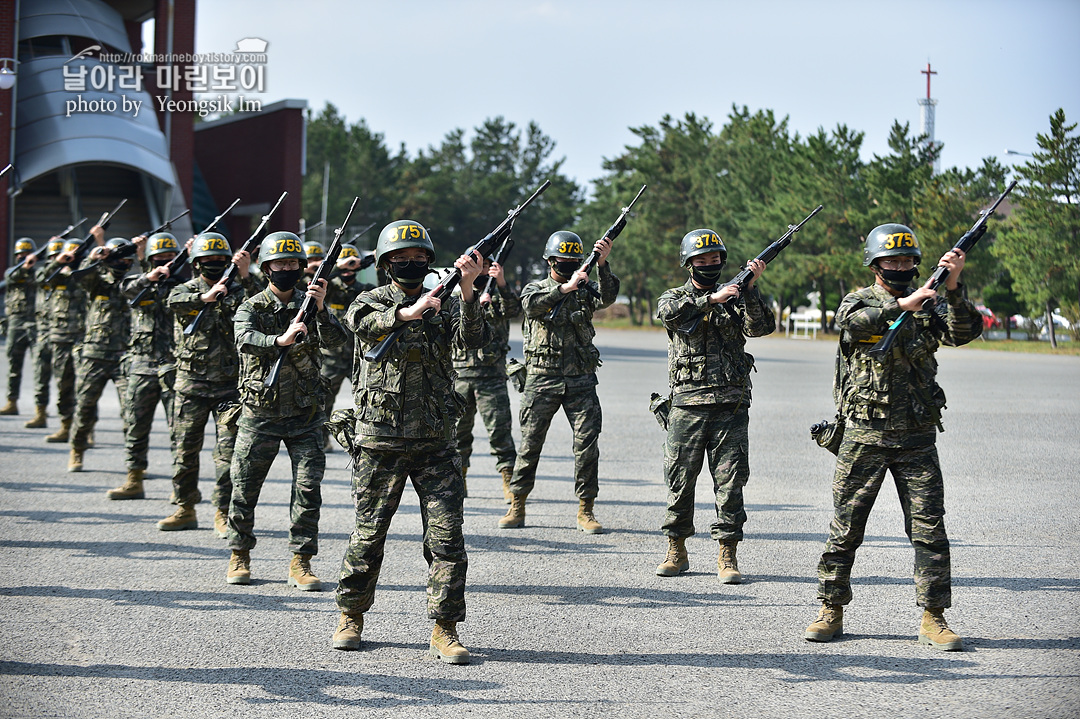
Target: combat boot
x: 301, y: 576
x: 349, y: 628
x: 445, y: 645
x: 9, y: 408
x: 676, y: 561
x: 586, y: 522
x: 75, y: 460
x: 38, y: 420
x: 182, y: 518
x: 63, y: 434
x: 221, y: 524
x: 935, y: 632
x: 829, y: 624
x: 515, y: 516
x: 131, y: 489
x: 507, y: 475
x: 727, y: 566
x: 239, y: 567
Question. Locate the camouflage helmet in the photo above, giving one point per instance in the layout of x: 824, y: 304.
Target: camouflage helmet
x: 700, y: 242
x: 564, y: 244
x: 24, y: 244
x: 891, y: 240
x: 281, y: 246
x: 118, y: 242
x: 210, y: 244
x: 161, y: 242
x: 400, y: 235
x: 55, y: 248
x: 348, y: 251
x: 71, y: 245
x: 314, y: 250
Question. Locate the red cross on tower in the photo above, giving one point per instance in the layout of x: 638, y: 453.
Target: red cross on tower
x: 928, y: 72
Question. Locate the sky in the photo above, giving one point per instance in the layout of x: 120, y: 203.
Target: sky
x: 587, y: 71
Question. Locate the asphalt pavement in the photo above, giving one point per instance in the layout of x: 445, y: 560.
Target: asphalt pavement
x: 104, y: 615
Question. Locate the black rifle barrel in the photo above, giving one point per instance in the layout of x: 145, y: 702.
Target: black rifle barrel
x: 84, y: 246
x: 941, y: 274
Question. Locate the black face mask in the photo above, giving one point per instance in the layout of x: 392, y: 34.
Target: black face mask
x: 409, y: 274
x: 118, y: 268
x: 898, y: 279
x: 706, y: 275
x: 213, y: 270
x: 347, y: 277
x: 565, y: 268
x: 159, y: 261
x: 285, y: 280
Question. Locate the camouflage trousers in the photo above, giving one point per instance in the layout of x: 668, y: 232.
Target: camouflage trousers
x: 20, y: 340
x: 144, y: 392
x: 42, y: 371
x: 489, y: 397
x: 860, y: 469
x: 542, y: 398
x: 720, y: 432
x: 93, y: 373
x: 63, y: 369
x: 378, y: 482
x: 337, y: 376
x: 257, y: 443
x: 190, y: 413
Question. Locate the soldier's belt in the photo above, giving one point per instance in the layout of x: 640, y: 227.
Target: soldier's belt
x: 413, y: 355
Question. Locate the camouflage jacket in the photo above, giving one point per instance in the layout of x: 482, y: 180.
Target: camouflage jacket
x: 709, y: 365
x: 564, y: 346
x: 338, y: 360
x: 108, y: 322
x: 490, y: 360
x: 151, y: 345
x: 65, y: 306
x: 895, y: 401
x: 300, y: 388
x: 410, y: 393
x: 20, y: 297
x: 206, y: 362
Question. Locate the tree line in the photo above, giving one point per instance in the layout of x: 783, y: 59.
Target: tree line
x: 747, y: 179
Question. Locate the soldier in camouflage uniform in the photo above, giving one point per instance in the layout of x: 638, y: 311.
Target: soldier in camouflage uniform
x: 561, y: 362
x: 291, y: 411
x: 66, y: 313
x: 108, y: 328
x: 19, y: 308
x: 207, y: 368
x: 709, y: 375
x: 891, y: 412
x: 340, y: 294
x: 42, y: 348
x: 481, y: 378
x: 406, y: 412
x: 150, y: 361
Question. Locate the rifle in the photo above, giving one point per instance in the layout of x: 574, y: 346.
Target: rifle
x: 128, y: 251
x: 446, y: 286
x: 309, y: 228
x: 594, y: 256
x: 181, y: 258
x: 500, y: 257
x: 746, y: 275
x: 123, y: 252
x: 941, y: 274
x: 84, y: 247
x: 248, y: 246
x: 309, y: 306
x: 45, y: 246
